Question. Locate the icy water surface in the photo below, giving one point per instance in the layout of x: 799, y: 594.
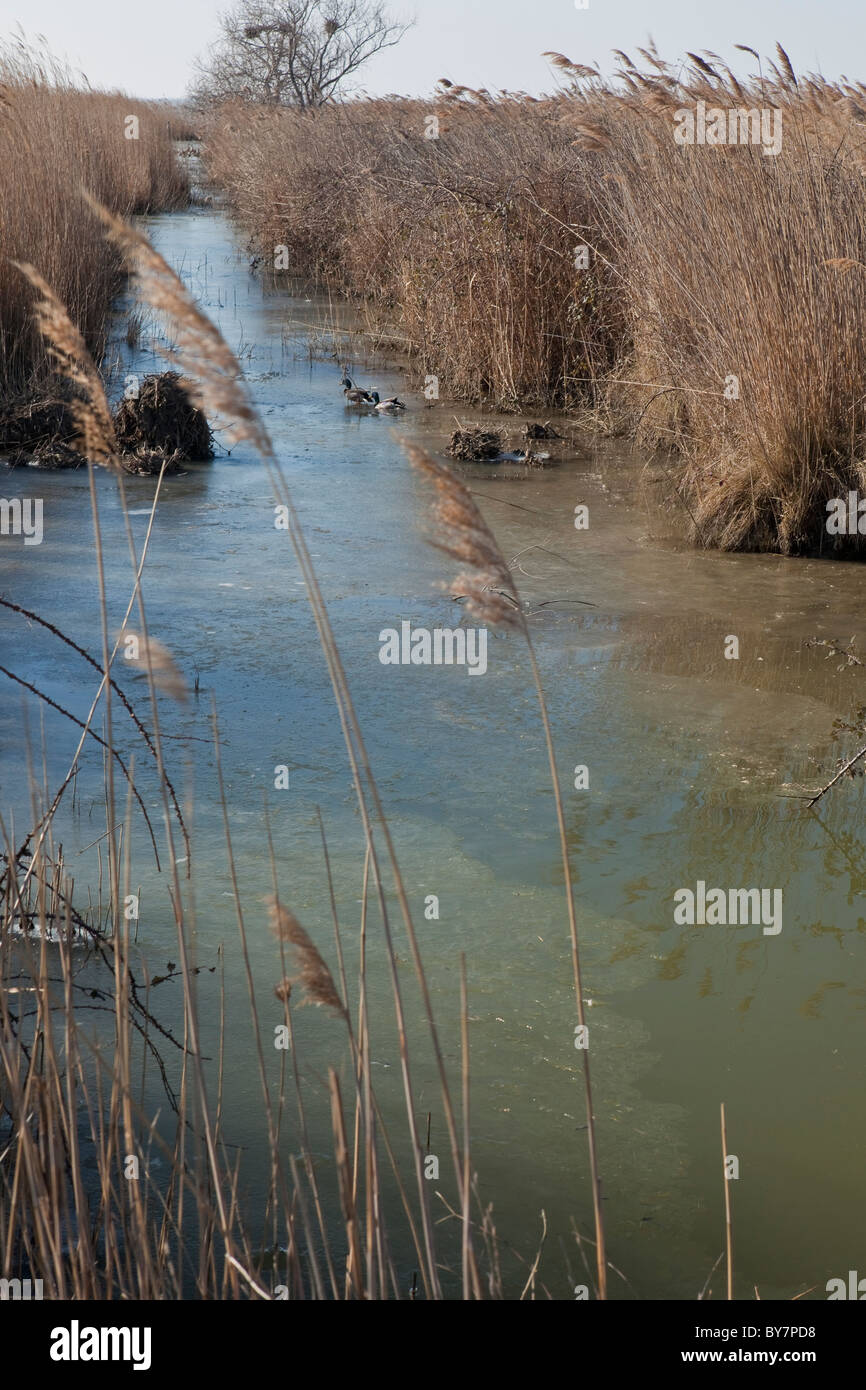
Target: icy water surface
x: 693, y: 760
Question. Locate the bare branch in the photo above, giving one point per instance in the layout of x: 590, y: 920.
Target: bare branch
x: 292, y: 52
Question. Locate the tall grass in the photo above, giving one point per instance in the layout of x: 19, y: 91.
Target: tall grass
x: 55, y: 139
x: 706, y: 264
x: 724, y: 255
x: 464, y: 245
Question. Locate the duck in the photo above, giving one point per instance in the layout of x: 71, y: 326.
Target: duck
x: 391, y: 406
x: 355, y: 395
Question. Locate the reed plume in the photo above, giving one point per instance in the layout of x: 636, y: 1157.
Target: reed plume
x: 68, y: 350
x: 592, y: 137
x: 787, y: 69
x: 151, y: 655
x: 559, y: 60
x: 313, y: 974
x: 463, y: 534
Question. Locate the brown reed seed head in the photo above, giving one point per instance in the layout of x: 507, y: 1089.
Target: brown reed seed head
x: 217, y: 386
x: 462, y: 533
x: 314, y: 975
x: 592, y: 136
x: 146, y: 653
x: 66, y: 346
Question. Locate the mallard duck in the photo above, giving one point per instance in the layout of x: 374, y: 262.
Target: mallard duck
x: 392, y: 405
x: 355, y: 395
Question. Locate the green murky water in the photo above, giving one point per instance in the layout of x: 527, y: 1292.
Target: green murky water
x: 692, y: 760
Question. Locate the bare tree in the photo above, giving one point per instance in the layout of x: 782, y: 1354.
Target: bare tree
x: 292, y: 52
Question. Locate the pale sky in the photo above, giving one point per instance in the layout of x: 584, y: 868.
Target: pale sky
x: 147, y: 47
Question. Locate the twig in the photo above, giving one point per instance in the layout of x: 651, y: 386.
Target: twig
x: 833, y: 780
x: 729, y: 1245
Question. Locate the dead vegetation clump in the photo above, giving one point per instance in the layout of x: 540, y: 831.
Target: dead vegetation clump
x: 44, y: 431
x: 475, y: 444
x: 162, y: 420
x: 159, y: 428
x: 149, y: 463
x: 532, y: 430
x: 151, y: 435
x: 30, y: 422
x: 39, y: 433
x: 49, y: 454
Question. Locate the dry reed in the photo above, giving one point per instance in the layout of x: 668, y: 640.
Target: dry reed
x: 568, y: 251
x: 313, y: 973
x: 56, y: 137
